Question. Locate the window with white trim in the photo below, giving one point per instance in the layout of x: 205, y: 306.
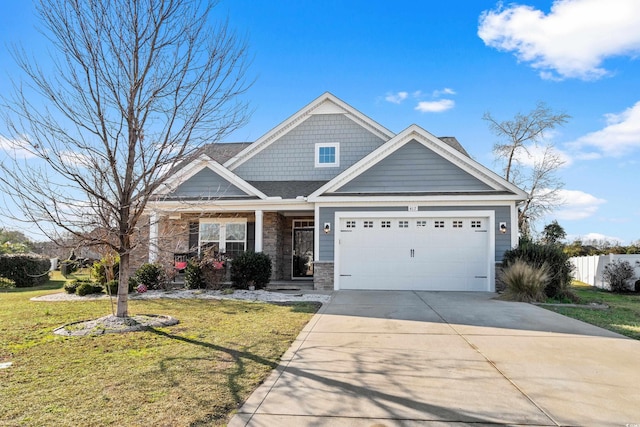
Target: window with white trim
x: 457, y: 224
x: 385, y: 224
x: 476, y: 224
x: 421, y: 223
x: 368, y: 224
x: 223, y: 236
x: 438, y: 224
x: 403, y: 224
x: 351, y: 224
x: 327, y: 155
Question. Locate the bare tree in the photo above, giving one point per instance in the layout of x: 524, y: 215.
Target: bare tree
x: 539, y: 176
x: 135, y: 87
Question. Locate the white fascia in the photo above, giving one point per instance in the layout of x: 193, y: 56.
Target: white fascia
x: 199, y: 164
x: 326, y: 103
x: 422, y: 136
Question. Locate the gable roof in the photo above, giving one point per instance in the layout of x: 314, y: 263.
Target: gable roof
x: 324, y: 104
x: 202, y: 162
x: 457, y: 157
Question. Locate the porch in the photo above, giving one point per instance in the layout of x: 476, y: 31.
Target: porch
x: 287, y: 237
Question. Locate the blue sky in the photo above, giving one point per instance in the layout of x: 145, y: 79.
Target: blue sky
x: 441, y: 65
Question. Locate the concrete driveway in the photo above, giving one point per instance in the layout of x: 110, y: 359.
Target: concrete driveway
x: 385, y: 358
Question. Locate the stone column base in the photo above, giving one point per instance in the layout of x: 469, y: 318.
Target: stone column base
x: 323, y: 275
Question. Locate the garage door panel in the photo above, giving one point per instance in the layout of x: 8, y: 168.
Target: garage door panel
x: 414, y: 254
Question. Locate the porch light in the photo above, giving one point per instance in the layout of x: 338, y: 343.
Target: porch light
x: 503, y: 227
x: 327, y: 228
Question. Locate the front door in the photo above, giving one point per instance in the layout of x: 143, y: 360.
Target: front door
x: 302, y: 249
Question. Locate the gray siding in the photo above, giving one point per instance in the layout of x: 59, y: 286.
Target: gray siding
x: 327, y: 214
x: 292, y: 156
x: 414, y: 168
x: 207, y: 184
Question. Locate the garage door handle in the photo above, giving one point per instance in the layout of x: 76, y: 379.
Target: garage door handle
x: 345, y: 275
x: 480, y: 277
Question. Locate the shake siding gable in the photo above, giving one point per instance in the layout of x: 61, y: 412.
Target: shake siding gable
x: 207, y: 184
x: 292, y: 156
x: 414, y: 168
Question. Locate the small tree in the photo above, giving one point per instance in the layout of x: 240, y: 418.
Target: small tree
x: 616, y: 274
x: 136, y: 86
x: 553, y: 233
x: 517, y: 137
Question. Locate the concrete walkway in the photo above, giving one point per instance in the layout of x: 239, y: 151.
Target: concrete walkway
x: 386, y: 358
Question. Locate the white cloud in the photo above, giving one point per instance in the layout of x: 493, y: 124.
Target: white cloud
x: 619, y: 137
x: 15, y: 148
x: 571, y: 41
x: 435, y: 106
x: 396, y: 98
x: 445, y: 91
x: 577, y: 205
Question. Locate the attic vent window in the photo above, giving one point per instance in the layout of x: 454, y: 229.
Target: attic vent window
x: 327, y: 155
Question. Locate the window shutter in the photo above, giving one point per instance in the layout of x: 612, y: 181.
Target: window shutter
x: 251, y: 236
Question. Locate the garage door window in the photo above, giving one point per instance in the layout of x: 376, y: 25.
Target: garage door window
x: 368, y: 224
x: 385, y: 224
x: 476, y: 224
x: 457, y: 224
x: 403, y: 224
x: 438, y: 224
x: 421, y: 223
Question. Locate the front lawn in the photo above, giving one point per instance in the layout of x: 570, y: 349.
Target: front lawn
x: 622, y: 316
x: 192, y: 374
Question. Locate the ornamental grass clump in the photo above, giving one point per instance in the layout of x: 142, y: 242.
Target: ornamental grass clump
x: 525, y: 283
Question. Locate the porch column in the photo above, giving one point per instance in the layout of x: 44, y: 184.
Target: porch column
x: 258, y: 247
x: 153, y: 237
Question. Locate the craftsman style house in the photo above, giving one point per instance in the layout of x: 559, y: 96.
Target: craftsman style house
x: 336, y: 198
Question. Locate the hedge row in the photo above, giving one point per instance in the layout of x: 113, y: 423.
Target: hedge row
x: 25, y: 270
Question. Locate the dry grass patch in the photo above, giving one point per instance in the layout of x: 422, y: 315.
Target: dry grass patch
x: 194, y: 373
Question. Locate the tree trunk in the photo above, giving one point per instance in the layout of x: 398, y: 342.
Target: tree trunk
x: 123, y: 287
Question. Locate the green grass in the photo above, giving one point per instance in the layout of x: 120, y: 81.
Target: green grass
x: 622, y: 316
x: 193, y: 374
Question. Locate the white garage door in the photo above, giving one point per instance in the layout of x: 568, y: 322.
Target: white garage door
x: 442, y: 253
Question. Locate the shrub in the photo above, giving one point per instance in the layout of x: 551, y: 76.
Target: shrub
x: 525, y: 282
x: 7, y: 283
x: 25, y: 270
x: 193, y: 278
x: 558, y: 266
x: 251, y: 268
x: 100, y: 269
x: 616, y: 274
x: 70, y: 287
x: 636, y: 286
x: 87, y: 288
x: 150, y: 275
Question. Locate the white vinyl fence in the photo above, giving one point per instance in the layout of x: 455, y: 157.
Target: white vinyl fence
x: 588, y: 269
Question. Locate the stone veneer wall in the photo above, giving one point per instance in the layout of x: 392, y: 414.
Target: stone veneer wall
x: 323, y: 275
x: 272, y: 242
